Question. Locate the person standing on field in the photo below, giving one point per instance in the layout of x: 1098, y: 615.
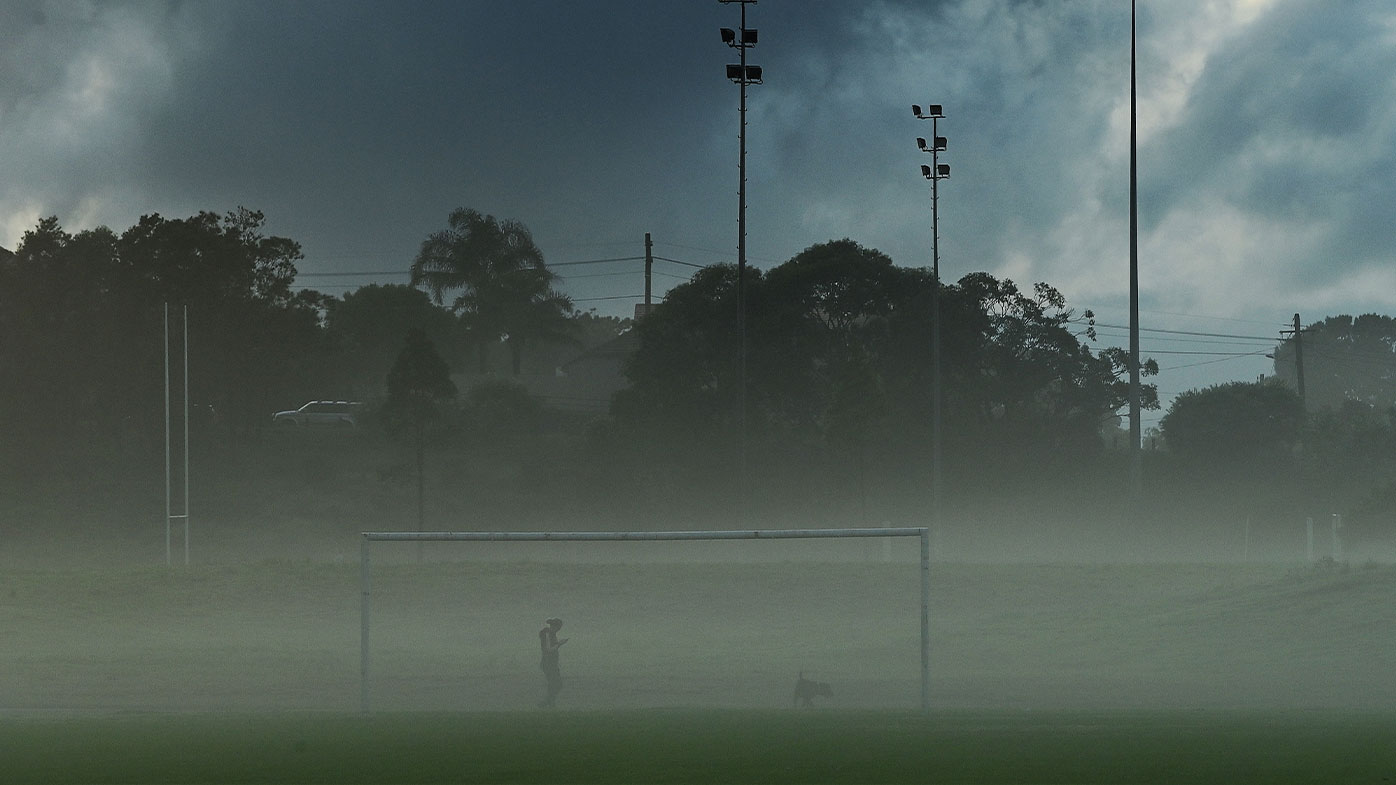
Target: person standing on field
x: 550, y: 643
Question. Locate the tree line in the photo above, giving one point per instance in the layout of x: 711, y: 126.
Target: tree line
x: 831, y: 412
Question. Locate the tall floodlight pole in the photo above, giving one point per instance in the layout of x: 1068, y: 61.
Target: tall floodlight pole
x: 186, y: 436
x: 936, y: 172
x: 741, y: 39
x: 1136, y: 473
x: 168, y: 509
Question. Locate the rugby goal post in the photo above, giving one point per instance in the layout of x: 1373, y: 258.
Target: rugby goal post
x: 365, y: 584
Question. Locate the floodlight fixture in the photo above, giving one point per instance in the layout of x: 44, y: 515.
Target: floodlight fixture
x: 744, y: 74
x: 748, y: 37
x: 729, y: 36
x: 940, y: 144
x: 932, y: 110
x: 940, y: 172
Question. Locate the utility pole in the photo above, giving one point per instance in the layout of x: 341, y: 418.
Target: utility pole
x: 1298, y: 357
x: 649, y: 268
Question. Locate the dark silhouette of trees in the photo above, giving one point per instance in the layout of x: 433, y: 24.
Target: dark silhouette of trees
x: 840, y: 367
x: 1345, y: 359
x: 366, y: 328
x: 418, y: 384
x: 504, y: 290
x: 255, y: 346
x: 81, y: 331
x: 1024, y: 380
x: 1235, y: 428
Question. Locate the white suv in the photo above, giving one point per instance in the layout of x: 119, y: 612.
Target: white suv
x: 324, y: 414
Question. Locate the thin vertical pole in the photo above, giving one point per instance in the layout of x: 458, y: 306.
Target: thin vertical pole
x: 741, y: 261
x: 364, y: 590
x: 1136, y: 471
x: 168, y: 510
x: 186, y: 436
x: 925, y: 621
x: 1299, y: 359
x: 649, y: 268
x: 937, y: 435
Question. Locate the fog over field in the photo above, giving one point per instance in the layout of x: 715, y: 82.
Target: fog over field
x: 200, y: 418
x: 270, y: 621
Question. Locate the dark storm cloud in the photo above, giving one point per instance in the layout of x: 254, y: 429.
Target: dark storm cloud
x: 385, y: 116
x: 1290, y: 122
x: 1266, y: 133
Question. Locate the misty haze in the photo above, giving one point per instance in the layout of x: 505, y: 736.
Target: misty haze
x: 268, y: 372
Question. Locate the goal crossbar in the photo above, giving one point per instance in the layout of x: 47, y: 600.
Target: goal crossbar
x: 638, y: 536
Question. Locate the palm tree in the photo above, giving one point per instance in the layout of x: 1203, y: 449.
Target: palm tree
x: 505, y: 291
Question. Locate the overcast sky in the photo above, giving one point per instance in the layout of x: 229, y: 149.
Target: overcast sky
x: 1267, y: 140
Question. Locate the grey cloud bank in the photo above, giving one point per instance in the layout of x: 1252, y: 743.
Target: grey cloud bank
x: 1266, y: 137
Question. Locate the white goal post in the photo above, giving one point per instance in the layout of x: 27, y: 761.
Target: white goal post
x: 365, y: 584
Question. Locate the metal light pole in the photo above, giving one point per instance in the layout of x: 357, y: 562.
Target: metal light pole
x: 741, y: 39
x: 936, y: 172
x: 1136, y: 470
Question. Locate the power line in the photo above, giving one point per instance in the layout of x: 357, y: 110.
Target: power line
x: 1190, y: 332
x: 1204, y: 341
x: 1199, y: 341
x: 349, y: 274
x: 571, y: 277
x: 615, y: 297
x: 597, y: 261
x: 1211, y: 362
x: 727, y: 253
x: 1204, y: 354
x: 676, y: 261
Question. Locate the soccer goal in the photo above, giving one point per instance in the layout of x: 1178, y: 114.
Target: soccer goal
x: 366, y: 584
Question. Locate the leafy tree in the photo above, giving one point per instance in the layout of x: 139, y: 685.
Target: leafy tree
x: 1237, y: 427
x: 417, y: 385
x: 366, y: 326
x: 1345, y: 359
x: 1026, y: 377
x: 259, y: 346
x: 1348, y: 454
x: 505, y: 291
x: 80, y: 331
x: 840, y: 367
x: 64, y: 362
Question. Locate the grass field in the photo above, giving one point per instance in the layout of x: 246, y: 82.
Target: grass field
x: 683, y: 746
x: 681, y: 671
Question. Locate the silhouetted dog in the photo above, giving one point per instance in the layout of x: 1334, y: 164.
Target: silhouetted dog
x: 806, y: 690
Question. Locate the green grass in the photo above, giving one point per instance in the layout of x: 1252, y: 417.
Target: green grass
x: 461, y: 636
x: 681, y: 672
x: 673, y: 746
